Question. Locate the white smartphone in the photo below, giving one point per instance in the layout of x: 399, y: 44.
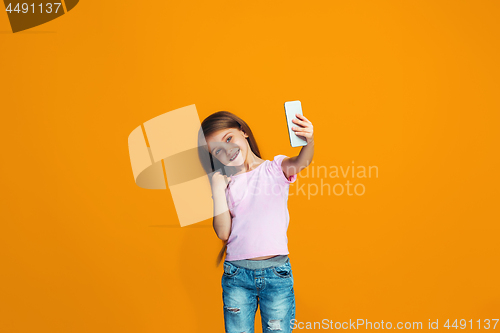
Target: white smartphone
x: 291, y: 108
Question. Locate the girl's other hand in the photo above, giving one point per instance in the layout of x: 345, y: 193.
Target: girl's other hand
x: 306, y: 128
x: 219, y: 181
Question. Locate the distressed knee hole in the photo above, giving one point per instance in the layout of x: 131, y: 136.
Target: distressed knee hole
x: 233, y: 310
x: 274, y: 325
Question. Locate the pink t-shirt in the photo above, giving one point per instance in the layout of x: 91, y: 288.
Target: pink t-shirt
x: 257, y: 201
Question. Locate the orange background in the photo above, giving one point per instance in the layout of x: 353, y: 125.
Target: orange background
x: 410, y: 87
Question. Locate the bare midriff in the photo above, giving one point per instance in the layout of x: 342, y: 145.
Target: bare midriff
x: 262, y: 258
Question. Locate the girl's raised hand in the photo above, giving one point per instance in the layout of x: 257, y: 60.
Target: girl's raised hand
x: 219, y: 181
x: 306, y: 128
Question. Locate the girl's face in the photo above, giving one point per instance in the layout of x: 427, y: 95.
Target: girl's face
x: 229, y: 146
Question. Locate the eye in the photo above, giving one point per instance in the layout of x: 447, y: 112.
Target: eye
x: 229, y: 138
x: 218, y: 150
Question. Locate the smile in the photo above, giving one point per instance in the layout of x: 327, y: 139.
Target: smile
x: 234, y: 156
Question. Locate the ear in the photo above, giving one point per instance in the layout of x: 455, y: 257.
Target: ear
x: 244, y: 134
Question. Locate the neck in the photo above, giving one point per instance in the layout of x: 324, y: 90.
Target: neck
x: 251, y: 162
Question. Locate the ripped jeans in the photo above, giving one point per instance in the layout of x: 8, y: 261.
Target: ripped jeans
x: 244, y: 288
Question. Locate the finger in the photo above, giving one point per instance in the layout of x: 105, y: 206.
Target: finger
x: 301, y: 116
x: 305, y: 128
x: 308, y: 130
x: 299, y: 122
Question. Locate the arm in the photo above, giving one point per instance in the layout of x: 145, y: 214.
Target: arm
x: 222, y: 217
x: 222, y: 221
x: 293, y: 165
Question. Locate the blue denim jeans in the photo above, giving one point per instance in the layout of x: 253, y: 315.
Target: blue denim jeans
x: 271, y: 288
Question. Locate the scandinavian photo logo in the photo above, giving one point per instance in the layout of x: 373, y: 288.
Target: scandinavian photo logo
x: 326, y: 180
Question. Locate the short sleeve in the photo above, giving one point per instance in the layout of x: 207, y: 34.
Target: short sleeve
x: 276, y: 169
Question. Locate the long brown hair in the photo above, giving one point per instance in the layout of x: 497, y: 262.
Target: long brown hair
x: 215, y: 122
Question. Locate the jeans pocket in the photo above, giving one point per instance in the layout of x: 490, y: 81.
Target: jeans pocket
x: 230, y: 270
x: 283, y: 271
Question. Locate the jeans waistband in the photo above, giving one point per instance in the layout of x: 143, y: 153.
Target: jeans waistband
x: 261, y: 264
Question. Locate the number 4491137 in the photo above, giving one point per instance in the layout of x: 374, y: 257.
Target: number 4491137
x: 25, y: 8
x: 463, y: 324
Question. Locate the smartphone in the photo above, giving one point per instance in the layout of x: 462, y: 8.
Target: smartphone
x: 291, y: 108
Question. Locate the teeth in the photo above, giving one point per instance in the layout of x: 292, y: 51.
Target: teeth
x: 235, y: 154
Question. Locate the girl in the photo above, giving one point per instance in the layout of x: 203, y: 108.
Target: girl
x: 251, y: 217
